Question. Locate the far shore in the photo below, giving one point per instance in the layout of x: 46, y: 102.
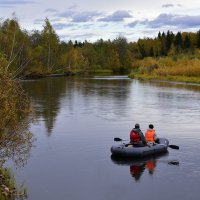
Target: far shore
x: 172, y: 79
x: 175, y: 79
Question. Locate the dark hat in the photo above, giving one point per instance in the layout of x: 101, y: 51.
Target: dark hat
x: 137, y: 126
x: 151, y: 126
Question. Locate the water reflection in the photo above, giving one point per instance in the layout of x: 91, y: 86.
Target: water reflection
x: 16, y: 145
x: 136, y: 170
x: 46, y: 95
x: 171, y: 84
x: 15, y: 138
x: 76, y: 94
x: 138, y: 166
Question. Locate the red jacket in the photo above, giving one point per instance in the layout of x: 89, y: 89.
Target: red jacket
x: 134, y: 137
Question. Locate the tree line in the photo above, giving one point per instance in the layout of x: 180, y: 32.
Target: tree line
x: 24, y: 53
x: 169, y: 44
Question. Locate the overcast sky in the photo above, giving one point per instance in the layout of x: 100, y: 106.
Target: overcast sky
x: 91, y: 20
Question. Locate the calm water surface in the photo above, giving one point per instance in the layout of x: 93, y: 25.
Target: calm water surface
x: 76, y: 121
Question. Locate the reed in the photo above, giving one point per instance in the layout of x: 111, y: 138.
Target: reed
x: 181, y: 68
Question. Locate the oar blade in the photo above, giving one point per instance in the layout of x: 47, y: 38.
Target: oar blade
x: 173, y: 146
x: 173, y: 162
x: 117, y: 139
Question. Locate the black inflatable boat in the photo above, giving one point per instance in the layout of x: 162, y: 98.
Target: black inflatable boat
x: 128, y: 150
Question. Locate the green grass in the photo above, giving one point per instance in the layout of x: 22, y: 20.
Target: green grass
x: 184, y: 79
x: 7, y: 179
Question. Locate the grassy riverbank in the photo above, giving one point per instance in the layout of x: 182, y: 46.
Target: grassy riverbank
x: 166, y: 78
x: 177, y: 68
x: 8, y: 189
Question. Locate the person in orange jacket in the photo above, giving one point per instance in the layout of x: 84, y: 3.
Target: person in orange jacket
x: 150, y: 134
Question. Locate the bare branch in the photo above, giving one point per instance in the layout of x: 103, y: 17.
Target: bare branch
x: 11, y: 53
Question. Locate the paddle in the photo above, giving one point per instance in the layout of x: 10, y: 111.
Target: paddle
x: 117, y: 139
x: 173, y: 162
x: 172, y: 146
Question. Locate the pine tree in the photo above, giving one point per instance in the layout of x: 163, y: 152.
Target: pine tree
x: 178, y: 42
x: 186, y: 42
x: 198, y: 39
x: 169, y: 40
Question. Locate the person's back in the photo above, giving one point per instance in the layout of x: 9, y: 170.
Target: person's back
x: 150, y: 134
x: 137, y: 137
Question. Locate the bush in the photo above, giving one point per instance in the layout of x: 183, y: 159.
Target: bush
x: 3, y: 63
x: 14, y: 104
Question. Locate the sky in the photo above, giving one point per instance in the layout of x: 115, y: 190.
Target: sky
x: 105, y: 19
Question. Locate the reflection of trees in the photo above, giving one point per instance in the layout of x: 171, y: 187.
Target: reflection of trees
x: 16, y: 145
x: 172, y: 85
x: 104, y: 94
x: 173, y: 96
x: 15, y: 140
x: 46, y: 95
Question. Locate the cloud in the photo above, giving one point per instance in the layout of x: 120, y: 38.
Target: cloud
x: 179, y: 5
x: 38, y: 21
x: 89, y: 16
x: 61, y: 26
x: 78, y: 17
x: 87, y: 26
x: 138, y: 22
x: 11, y: 3
x: 133, y: 24
x: 167, y: 5
x: 51, y: 10
x: 85, y: 16
x: 172, y: 20
x: 183, y: 21
x: 79, y: 37
x: 67, y: 14
x: 117, y: 16
x: 73, y: 6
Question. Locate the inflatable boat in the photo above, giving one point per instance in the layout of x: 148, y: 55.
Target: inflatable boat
x: 128, y: 150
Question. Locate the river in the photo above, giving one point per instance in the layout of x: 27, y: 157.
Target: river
x: 76, y: 120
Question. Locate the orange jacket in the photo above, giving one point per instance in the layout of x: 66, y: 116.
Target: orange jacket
x: 150, y: 135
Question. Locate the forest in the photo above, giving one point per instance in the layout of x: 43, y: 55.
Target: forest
x: 28, y: 54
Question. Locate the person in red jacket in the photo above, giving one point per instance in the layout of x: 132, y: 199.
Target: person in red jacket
x: 150, y: 134
x: 137, y: 137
